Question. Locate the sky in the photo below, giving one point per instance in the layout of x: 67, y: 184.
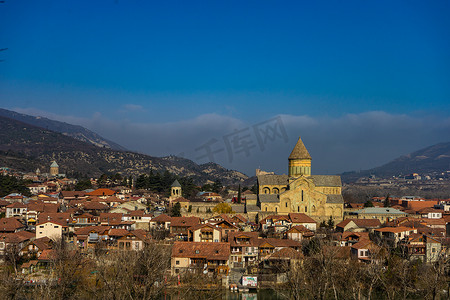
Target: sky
x: 236, y: 82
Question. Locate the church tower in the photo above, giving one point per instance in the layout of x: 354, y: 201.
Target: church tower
x: 299, y: 160
x: 54, y: 169
x: 175, y: 190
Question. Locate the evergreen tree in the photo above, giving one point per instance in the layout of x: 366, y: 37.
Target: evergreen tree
x: 239, y: 194
x: 387, y: 203
x: 330, y: 223
x: 176, y: 210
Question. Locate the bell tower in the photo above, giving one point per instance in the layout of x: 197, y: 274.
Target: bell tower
x: 299, y: 161
x: 175, y: 190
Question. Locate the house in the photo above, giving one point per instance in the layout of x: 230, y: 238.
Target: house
x: 205, y: 233
x: 364, y: 250
x: 430, y: 213
x: 134, y: 240
x: 304, y: 220
x: 384, y: 214
x: 50, y: 229
x: 275, y: 223
x: 87, y: 237
x: 206, y: 257
x: 35, y: 247
x: 394, y: 234
x: 160, y: 222
x: 422, y: 247
x: 16, y: 210
x: 179, y: 226
x: 14, y: 242
x: 36, y: 188
x: 244, y: 248
x: 8, y: 225
x: 349, y: 238
x: 358, y: 225
x: 94, y: 207
x: 298, y: 233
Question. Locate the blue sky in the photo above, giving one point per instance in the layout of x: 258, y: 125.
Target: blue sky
x: 163, y: 77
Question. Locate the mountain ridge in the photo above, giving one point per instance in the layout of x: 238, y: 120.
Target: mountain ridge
x: 26, y: 147
x: 434, y: 158
x: 75, y: 131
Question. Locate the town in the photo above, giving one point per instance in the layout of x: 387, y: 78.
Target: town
x: 290, y: 233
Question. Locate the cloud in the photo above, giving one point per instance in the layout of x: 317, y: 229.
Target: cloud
x: 346, y: 143
x: 132, y: 108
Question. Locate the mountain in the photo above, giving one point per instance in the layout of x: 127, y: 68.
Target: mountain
x: 433, y: 159
x: 78, y: 132
x: 26, y: 147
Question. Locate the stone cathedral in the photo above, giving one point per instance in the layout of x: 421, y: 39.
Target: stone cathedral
x: 318, y: 196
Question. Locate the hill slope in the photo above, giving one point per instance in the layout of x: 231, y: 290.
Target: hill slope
x: 26, y: 147
x: 432, y: 159
x: 77, y: 132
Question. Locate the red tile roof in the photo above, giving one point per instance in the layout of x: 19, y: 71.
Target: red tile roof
x: 300, y: 218
x: 209, y: 251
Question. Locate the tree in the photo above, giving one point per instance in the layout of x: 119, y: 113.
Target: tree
x: 223, y: 208
x: 330, y: 223
x: 386, y: 201
x: 83, y: 184
x: 368, y: 204
x: 176, y: 210
x: 239, y: 195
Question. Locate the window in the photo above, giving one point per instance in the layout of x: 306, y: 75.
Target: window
x: 286, y: 204
x: 177, y: 262
x: 306, y: 209
x: 42, y: 226
x: 197, y: 252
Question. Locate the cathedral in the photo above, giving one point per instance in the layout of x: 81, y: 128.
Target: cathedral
x: 318, y: 196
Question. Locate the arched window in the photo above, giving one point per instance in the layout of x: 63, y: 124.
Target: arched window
x: 275, y: 191
x: 302, y: 195
x: 266, y: 190
x: 266, y: 208
x: 286, y: 204
x: 306, y: 209
x: 276, y: 209
x: 298, y: 208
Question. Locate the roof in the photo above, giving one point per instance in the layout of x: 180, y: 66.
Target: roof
x: 101, y: 192
x: 326, y: 180
x: 273, y: 179
x: 288, y: 253
x: 269, y: 198
x: 380, y: 210
x: 54, y: 165
x: 94, y: 205
x: 366, y: 223
x: 42, y: 243
x: 47, y: 255
x: 395, y: 229
x: 332, y: 198
x: 162, y: 218
x: 210, y: 251
x: 300, y: 218
x: 299, y: 151
x: 16, y: 205
x: 364, y: 244
x: 199, y: 226
x: 301, y: 229
x: 176, y: 184
x: 118, y: 232
x: 10, y: 224
x: 184, y: 221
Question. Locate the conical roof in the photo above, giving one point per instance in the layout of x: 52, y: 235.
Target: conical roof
x: 54, y: 164
x: 299, y: 151
x: 176, y: 184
